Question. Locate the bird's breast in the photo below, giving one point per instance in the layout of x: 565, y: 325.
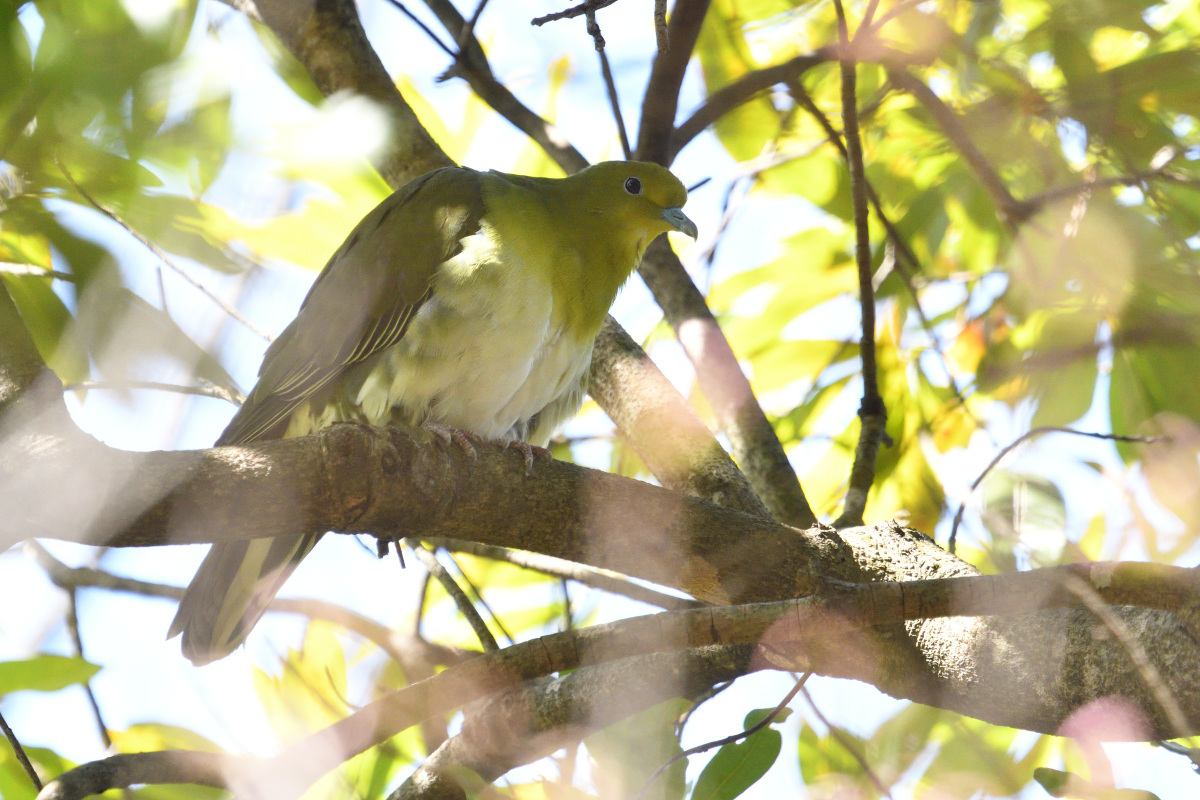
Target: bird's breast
x: 487, y: 352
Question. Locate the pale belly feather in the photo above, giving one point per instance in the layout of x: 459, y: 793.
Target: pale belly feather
x: 487, y: 353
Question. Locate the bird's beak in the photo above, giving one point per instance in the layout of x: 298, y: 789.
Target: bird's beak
x: 679, y: 221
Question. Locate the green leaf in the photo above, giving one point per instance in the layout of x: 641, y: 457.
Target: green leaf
x: 44, y: 673
x: 738, y: 766
x: 51, y: 326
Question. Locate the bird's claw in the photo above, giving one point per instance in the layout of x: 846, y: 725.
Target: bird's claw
x: 464, y: 439
x: 529, y: 451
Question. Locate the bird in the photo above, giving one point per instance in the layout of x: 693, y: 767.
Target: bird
x: 466, y: 301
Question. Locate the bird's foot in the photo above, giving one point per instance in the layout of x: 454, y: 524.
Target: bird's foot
x: 530, y: 451
x: 466, y: 440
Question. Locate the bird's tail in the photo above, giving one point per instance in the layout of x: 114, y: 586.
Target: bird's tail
x: 231, y: 591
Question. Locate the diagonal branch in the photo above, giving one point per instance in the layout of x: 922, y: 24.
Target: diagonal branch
x: 1012, y: 210
x: 743, y: 90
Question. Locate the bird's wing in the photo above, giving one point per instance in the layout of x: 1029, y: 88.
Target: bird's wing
x: 364, y: 299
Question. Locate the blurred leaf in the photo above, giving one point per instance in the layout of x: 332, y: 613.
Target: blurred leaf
x: 724, y: 57
x: 44, y: 674
x: 1028, y: 508
x: 123, y: 332
x: 51, y: 326
x: 628, y: 753
x: 1068, y: 785
x: 148, y: 736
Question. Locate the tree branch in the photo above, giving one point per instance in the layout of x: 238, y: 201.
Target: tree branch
x: 532, y: 721
x: 742, y: 91
x: 756, y: 448
x: 830, y: 633
x: 872, y: 412
x: 129, y: 769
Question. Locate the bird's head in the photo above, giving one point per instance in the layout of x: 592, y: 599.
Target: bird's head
x: 640, y: 196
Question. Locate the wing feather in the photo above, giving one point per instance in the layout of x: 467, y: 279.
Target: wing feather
x: 363, y: 300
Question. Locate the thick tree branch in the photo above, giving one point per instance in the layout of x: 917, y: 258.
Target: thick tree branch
x: 661, y: 100
x: 130, y: 769
x: 756, y: 448
x: 529, y: 722
x: 354, y: 479
x: 829, y: 633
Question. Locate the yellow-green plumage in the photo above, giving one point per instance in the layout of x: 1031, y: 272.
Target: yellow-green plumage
x: 466, y: 299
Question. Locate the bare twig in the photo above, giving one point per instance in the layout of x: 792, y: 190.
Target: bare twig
x: 73, y: 630
x: 872, y: 411
x: 849, y: 747
x: 477, y: 597
x: 583, y: 9
x: 737, y: 737
x: 569, y: 570
x: 907, y: 265
x: 614, y: 101
x: 21, y: 755
x: 456, y: 593
x: 1012, y: 210
x: 468, y: 30
x: 472, y: 66
x: 661, y: 35
x: 208, y: 390
x: 1016, y: 443
x: 162, y: 256
x: 403, y: 648
x: 743, y: 90
x: 426, y: 29
x: 1137, y: 654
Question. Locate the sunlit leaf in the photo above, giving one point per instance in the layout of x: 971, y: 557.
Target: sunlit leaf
x: 44, y: 673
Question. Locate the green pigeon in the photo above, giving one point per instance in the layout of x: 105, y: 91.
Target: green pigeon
x: 467, y: 301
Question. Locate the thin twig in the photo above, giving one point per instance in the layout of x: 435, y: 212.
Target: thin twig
x: 20, y: 751
x: 77, y: 639
x: 160, y: 253
x: 593, y: 29
x: 1141, y: 660
x: 953, y: 543
x: 468, y: 30
x: 478, y: 598
x: 836, y: 733
x: 456, y: 593
x: 872, y: 411
x: 208, y: 390
x: 392, y: 643
x: 588, y: 576
x: 907, y: 265
x: 613, y: 101
x: 703, y: 748
x: 1009, y: 208
x: 661, y: 35
x: 428, y: 32
x: 583, y: 9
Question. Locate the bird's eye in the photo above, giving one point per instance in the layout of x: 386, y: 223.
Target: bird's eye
x: 633, y: 186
